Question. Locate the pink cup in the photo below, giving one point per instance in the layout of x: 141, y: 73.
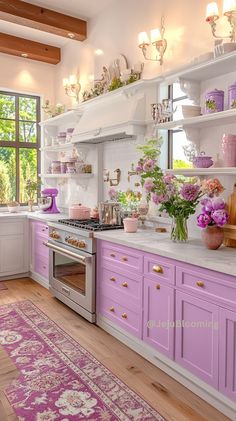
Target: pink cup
x: 228, y: 147
x: 130, y: 225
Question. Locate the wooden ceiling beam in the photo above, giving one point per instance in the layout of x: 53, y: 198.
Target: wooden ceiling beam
x: 45, y: 20
x: 29, y: 49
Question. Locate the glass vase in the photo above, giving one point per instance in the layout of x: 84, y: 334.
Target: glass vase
x: 179, y: 229
x: 30, y: 205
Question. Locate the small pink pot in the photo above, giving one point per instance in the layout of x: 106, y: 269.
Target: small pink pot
x: 228, y: 147
x: 213, y: 237
x: 79, y: 212
x: 130, y: 225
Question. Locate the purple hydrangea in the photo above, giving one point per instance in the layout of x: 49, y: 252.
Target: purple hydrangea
x: 220, y: 217
x: 190, y: 192
x: 203, y: 220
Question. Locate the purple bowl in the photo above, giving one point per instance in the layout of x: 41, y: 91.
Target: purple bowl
x: 203, y: 161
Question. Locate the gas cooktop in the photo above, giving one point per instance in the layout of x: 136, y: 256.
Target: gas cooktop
x: 89, y: 224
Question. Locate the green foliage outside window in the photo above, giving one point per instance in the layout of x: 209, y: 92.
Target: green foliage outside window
x: 19, y: 143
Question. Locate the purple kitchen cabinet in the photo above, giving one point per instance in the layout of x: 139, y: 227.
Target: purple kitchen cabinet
x: 197, y: 341
x: 158, y: 316
x: 40, y: 253
x: 227, y: 353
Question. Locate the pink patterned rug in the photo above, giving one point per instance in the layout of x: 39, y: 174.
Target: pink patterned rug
x: 60, y: 380
x: 2, y: 286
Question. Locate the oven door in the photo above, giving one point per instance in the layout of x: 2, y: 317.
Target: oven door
x: 72, y: 274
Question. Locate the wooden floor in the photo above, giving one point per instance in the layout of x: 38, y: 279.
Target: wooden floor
x: 167, y: 396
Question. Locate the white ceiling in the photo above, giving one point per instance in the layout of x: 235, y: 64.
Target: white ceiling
x: 78, y: 8
x: 84, y: 9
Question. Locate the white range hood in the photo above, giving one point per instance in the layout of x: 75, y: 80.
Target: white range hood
x: 114, y: 116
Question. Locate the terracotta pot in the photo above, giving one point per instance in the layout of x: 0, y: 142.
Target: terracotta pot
x: 130, y: 225
x: 213, y: 237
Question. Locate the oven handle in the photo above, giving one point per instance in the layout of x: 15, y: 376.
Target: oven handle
x: 68, y: 253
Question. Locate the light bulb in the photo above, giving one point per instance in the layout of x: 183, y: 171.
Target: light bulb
x: 143, y: 39
x: 155, y: 35
x: 212, y: 11
x: 229, y: 6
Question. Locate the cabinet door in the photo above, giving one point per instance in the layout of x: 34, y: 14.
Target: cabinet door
x: 12, y: 259
x: 197, y: 337
x: 158, y: 329
x: 227, y: 355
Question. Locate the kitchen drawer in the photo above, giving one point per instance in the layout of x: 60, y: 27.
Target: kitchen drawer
x: 217, y: 288
x: 159, y: 268
x: 121, y: 296
x: 41, y: 228
x: 39, y: 247
x: 131, y: 286
x: 120, y: 315
x: 41, y: 266
x: 122, y: 257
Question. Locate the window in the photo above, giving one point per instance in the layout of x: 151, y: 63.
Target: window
x: 19, y: 144
x: 177, y: 139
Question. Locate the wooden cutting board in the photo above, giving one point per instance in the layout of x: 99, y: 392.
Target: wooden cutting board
x: 230, y: 228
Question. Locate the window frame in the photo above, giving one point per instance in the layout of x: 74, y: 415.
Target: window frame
x: 17, y: 144
x: 171, y: 132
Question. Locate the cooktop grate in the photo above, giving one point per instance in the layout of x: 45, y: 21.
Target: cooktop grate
x: 89, y: 224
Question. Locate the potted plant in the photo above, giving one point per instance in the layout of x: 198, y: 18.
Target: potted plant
x: 212, y: 218
x: 31, y: 189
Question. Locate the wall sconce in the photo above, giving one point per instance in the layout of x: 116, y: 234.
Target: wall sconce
x: 72, y: 87
x: 112, y: 181
x: 229, y: 10
x: 157, y: 40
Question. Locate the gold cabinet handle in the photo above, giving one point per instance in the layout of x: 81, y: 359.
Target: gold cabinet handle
x: 125, y: 284
x: 200, y: 284
x: 113, y: 279
x: 124, y: 316
x: 112, y: 309
x: 112, y: 255
x: 157, y: 269
x: 125, y: 259
x: 158, y: 286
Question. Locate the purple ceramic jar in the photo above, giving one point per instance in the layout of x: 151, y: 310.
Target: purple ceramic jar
x: 214, y: 101
x: 232, y: 96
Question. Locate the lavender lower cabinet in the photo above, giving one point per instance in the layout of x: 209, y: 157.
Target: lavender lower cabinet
x: 227, y: 355
x: 158, y: 316
x: 197, y: 341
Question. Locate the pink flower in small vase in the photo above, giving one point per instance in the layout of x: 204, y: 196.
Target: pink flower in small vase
x: 190, y: 192
x: 112, y: 194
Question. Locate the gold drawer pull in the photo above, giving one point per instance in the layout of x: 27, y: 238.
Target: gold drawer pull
x: 157, y: 269
x: 158, y: 286
x: 112, y: 255
x: 124, y: 316
x: 200, y: 284
x: 112, y: 309
x: 125, y: 284
x: 113, y: 279
x: 125, y: 259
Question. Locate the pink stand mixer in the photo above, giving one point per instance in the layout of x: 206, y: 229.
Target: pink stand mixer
x: 47, y: 203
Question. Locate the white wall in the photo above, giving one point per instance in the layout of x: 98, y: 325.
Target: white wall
x: 27, y: 76
x: 114, y: 31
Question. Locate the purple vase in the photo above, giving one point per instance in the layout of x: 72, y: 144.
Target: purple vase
x: 214, y: 101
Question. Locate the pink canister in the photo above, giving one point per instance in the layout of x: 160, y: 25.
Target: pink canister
x: 228, y: 147
x: 130, y: 224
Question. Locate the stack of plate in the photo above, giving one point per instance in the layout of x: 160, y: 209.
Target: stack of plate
x: 191, y: 111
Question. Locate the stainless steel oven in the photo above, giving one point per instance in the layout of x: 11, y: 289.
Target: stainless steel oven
x: 72, y: 278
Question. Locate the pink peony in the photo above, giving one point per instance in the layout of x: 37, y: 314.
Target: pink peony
x: 159, y: 198
x: 203, y: 220
x: 190, y: 192
x: 149, y: 165
x: 148, y: 185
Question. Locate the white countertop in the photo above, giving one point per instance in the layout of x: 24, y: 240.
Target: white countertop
x: 221, y: 260
x: 34, y: 215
